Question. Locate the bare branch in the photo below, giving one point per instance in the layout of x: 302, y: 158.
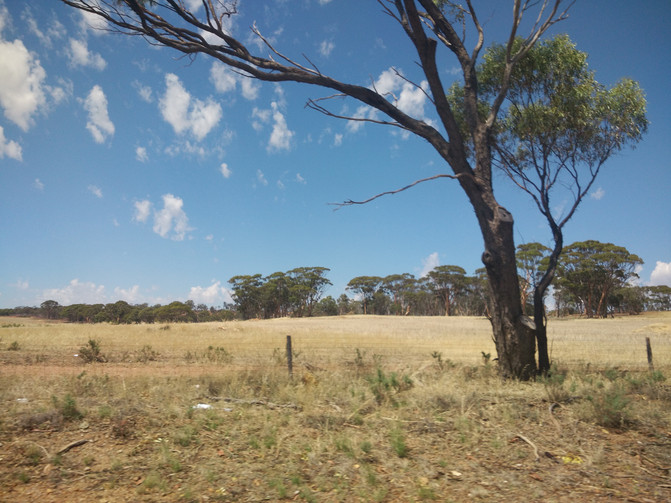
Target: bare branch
x: 391, y: 192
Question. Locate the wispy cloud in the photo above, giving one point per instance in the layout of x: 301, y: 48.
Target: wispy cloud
x: 598, y: 194
x: 96, y: 191
x: 141, y: 154
x: 326, y: 47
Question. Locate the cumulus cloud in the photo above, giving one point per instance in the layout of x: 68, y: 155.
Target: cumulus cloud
x: 429, y: 264
x: 96, y: 191
x: 99, y: 124
x: 141, y: 154
x: 187, y: 114
x: 130, y: 295
x: 661, y: 275
x: 406, y: 96
x: 281, y: 135
x: 22, y: 84
x: 80, y: 55
x: 171, y: 221
x: 76, y: 292
x: 142, y: 210
x: 9, y: 148
x: 215, y: 294
x: 225, y: 170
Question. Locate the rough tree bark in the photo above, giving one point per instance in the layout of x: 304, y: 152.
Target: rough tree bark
x: 427, y: 23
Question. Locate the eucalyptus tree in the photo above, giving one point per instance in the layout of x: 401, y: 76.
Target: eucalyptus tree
x: 591, y: 271
x: 556, y: 128
x: 437, y: 30
x: 447, y: 282
x: 366, y: 287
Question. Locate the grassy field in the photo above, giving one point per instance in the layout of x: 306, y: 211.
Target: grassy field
x: 378, y: 409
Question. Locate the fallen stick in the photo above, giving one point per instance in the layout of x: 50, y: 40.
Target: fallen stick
x: 270, y: 405
x: 522, y: 437
x: 71, y: 446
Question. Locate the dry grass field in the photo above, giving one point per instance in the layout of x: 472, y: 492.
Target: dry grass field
x: 378, y: 409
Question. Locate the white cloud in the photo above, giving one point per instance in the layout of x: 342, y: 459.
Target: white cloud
x: 22, y: 83
x: 408, y: 97
x: 225, y: 170
x: 661, y: 275
x: 38, y: 184
x: 598, y: 194
x: 226, y: 80
x: 141, y: 154
x: 9, y: 148
x: 80, y: 55
x: 223, y: 78
x: 95, y: 191
x: 429, y: 264
x: 185, y: 114
x: 99, y: 124
x: 260, y: 117
x: 326, y: 47
x: 281, y: 135
x: 337, y: 139
x: 92, y: 23
x: 250, y: 88
x: 215, y: 294
x: 142, y: 210
x: 171, y: 219
x: 130, y: 295
x: 300, y: 179
x: 76, y: 293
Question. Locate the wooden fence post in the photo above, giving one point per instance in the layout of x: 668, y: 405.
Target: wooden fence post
x: 648, y: 349
x: 290, y: 362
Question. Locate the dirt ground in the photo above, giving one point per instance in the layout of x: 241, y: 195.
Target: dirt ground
x: 168, y: 431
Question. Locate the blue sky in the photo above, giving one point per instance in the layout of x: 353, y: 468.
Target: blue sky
x: 128, y: 172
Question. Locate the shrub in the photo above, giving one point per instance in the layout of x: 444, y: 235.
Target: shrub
x: 91, y: 352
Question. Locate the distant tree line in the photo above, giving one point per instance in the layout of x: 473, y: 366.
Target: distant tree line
x: 593, y: 279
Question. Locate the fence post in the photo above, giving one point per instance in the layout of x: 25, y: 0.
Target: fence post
x: 290, y: 363
x: 648, y: 349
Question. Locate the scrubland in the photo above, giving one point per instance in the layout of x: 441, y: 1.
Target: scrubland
x: 377, y: 409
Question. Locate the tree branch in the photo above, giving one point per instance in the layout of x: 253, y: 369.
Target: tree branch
x: 391, y: 192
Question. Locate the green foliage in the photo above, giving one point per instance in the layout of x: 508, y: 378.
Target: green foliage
x: 14, y: 346
x: 384, y: 386
x: 610, y: 406
x: 91, y: 353
x: 67, y: 407
x: 398, y: 444
x: 590, y: 272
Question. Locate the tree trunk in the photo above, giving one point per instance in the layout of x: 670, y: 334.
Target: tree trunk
x: 514, y: 339
x: 539, y: 305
